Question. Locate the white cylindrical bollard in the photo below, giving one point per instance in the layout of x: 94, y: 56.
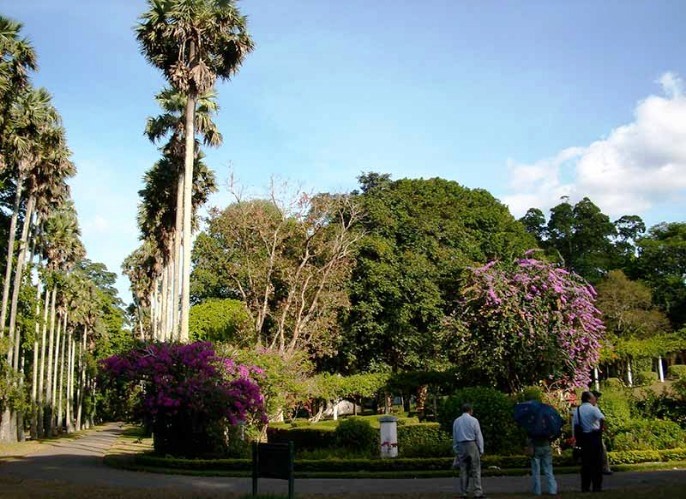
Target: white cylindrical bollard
x: 389, y: 436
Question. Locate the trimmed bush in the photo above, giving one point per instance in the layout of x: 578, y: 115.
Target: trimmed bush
x: 399, y: 464
x: 677, y: 371
x: 616, y: 407
x: 644, y: 378
x: 423, y: 440
x: 358, y: 435
x: 649, y: 434
x: 313, y: 437
x: 494, y: 410
x: 669, y: 406
x: 613, y: 384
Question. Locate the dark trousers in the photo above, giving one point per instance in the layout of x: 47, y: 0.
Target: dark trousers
x: 592, y: 462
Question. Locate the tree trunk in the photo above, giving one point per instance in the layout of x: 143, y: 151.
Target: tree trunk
x: 82, y: 380
x: 163, y: 304
x: 34, y: 377
x: 21, y: 436
x: 60, y: 383
x: 176, y: 292
x: 55, y: 369
x: 10, y: 255
x: 48, y: 378
x: 41, y: 378
x: 13, y: 332
x: 187, y: 209
x: 70, y: 385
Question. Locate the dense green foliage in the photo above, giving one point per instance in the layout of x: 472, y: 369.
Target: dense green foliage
x: 423, y: 440
x: 494, y: 411
x: 219, y: 321
x: 677, y: 371
x: 419, y: 237
x: 357, y: 435
x: 654, y: 434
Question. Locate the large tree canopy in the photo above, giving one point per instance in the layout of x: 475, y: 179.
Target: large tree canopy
x: 288, y: 261
x: 662, y: 263
x: 420, y: 235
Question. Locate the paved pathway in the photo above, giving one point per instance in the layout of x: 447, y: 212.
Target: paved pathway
x: 79, y: 461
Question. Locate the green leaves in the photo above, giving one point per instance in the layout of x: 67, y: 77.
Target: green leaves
x: 420, y: 236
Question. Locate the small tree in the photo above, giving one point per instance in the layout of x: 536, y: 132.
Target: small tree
x: 526, y: 322
x: 190, y: 395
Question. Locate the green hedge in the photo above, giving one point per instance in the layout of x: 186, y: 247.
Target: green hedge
x: 677, y: 371
x: 423, y: 440
x: 648, y: 434
x: 312, y: 437
x: 401, y: 464
x: 193, y: 464
x: 357, y: 434
x: 644, y: 378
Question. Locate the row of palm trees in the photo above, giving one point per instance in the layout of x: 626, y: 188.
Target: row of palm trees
x: 193, y: 43
x: 47, y: 309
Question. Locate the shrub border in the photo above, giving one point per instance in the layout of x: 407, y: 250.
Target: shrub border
x: 388, y: 468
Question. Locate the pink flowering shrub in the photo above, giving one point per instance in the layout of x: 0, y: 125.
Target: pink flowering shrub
x: 190, y: 396
x: 528, y: 322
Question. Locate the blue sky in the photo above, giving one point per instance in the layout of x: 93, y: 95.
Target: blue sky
x: 531, y: 100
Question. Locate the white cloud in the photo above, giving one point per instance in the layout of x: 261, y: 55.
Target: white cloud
x: 639, y: 166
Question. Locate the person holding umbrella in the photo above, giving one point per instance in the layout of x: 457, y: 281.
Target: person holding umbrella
x: 542, y: 424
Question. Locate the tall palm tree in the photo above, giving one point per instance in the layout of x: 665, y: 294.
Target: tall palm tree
x: 28, y: 119
x: 194, y: 43
x: 169, y: 218
x: 17, y: 59
x: 62, y: 247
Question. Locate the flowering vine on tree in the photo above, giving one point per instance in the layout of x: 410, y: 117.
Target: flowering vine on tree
x: 188, y: 393
x: 528, y: 322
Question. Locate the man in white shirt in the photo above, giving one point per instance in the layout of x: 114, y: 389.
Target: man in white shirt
x: 590, y: 420
x: 468, y: 445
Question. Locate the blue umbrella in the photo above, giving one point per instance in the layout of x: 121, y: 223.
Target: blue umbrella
x: 539, y: 420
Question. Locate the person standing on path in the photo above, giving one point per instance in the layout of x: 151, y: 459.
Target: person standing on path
x: 542, y: 461
x: 606, y: 461
x: 590, y: 421
x: 468, y: 445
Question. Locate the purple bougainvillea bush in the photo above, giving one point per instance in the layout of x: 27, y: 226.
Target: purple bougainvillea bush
x: 188, y: 394
x: 526, y: 323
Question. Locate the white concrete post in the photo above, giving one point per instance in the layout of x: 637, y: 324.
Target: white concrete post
x: 660, y: 369
x: 389, y: 436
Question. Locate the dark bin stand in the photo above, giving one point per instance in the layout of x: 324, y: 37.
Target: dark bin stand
x: 273, y: 461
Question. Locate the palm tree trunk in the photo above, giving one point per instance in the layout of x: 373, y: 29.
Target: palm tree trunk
x: 34, y: 377
x: 70, y: 385
x: 187, y: 210
x: 13, y: 333
x: 176, y: 292
x: 60, y: 384
x: 41, y: 378
x: 164, y: 301
x: 82, y: 380
x: 34, y: 387
x: 21, y: 436
x: 55, y: 371
x: 48, y: 379
x: 10, y: 255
